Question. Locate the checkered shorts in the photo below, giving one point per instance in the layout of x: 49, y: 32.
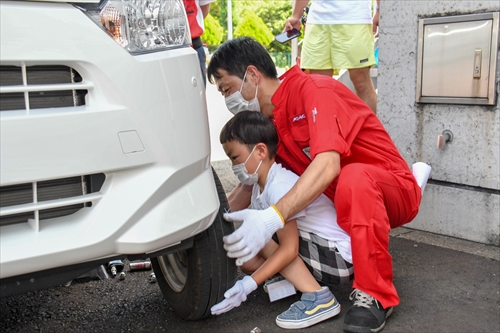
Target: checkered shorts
x: 323, y: 259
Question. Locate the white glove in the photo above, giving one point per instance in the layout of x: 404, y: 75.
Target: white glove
x: 235, y: 296
x: 257, y: 229
x: 421, y: 171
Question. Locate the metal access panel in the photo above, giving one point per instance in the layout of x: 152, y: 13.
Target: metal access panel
x: 457, y: 58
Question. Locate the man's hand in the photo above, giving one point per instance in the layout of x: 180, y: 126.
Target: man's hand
x: 257, y: 229
x: 235, y: 296
x: 298, y: 7
x: 291, y: 23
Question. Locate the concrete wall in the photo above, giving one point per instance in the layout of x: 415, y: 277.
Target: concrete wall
x: 463, y: 196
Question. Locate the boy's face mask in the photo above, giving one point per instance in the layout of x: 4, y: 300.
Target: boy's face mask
x: 242, y: 173
x: 236, y: 103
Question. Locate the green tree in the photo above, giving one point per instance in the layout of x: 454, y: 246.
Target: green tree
x: 274, y: 14
x: 252, y: 26
x: 218, y: 10
x: 215, y: 9
x: 213, y: 32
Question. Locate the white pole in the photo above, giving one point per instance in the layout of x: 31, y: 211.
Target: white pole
x: 229, y: 20
x: 295, y: 49
x: 295, y: 46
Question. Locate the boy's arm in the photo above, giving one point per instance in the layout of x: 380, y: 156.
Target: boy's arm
x: 239, y: 198
x: 259, y: 225
x: 278, y: 259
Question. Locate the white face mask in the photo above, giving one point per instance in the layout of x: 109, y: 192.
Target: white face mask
x: 242, y: 173
x: 236, y: 103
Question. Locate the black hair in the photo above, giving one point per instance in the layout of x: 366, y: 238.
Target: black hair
x: 251, y: 128
x: 235, y: 55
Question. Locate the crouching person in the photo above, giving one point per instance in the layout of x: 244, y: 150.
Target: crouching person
x: 311, y: 247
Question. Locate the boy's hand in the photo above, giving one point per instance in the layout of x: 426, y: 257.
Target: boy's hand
x: 257, y: 229
x: 235, y: 296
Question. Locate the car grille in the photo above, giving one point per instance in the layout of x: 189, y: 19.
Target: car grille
x: 42, y: 86
x: 33, y: 202
x: 28, y: 88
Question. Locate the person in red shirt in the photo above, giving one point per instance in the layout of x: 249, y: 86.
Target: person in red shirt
x: 338, y: 146
x: 196, y: 11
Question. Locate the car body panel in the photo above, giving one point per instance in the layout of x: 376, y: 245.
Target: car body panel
x: 154, y: 196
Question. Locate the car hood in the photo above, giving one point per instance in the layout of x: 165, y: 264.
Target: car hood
x: 76, y: 1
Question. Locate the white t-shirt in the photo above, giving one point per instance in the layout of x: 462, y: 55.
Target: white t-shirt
x: 319, y: 217
x: 340, y: 12
x: 199, y: 14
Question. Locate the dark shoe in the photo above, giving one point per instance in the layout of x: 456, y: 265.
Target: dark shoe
x: 366, y: 315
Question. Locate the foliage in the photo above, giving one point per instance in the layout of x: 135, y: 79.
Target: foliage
x: 218, y: 9
x: 252, y: 26
x: 213, y: 32
x: 281, y: 59
x: 274, y: 13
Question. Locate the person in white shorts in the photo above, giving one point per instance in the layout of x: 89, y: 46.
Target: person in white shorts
x: 311, y: 247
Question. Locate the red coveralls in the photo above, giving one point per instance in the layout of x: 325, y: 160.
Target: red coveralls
x: 375, y: 190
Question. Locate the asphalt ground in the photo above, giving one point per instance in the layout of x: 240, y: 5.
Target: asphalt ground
x: 445, y: 285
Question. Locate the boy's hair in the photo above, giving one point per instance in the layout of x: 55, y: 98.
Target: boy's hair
x: 251, y: 128
x: 235, y: 55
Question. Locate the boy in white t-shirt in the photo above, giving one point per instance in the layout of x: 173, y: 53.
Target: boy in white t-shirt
x: 312, y: 242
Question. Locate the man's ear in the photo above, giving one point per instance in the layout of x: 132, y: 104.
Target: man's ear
x: 254, y: 74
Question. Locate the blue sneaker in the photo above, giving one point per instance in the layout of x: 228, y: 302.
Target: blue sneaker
x: 311, y: 309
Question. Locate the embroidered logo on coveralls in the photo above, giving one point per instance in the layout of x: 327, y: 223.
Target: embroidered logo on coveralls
x: 297, y: 118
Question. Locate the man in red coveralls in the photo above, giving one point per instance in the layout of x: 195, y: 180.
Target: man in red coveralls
x: 338, y: 146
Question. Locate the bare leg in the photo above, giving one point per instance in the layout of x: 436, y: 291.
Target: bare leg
x: 297, y: 272
x: 364, y: 87
x: 253, y: 264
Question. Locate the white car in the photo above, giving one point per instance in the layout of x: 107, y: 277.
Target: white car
x: 105, y: 151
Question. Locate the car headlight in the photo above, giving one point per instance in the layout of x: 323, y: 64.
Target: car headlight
x: 142, y: 26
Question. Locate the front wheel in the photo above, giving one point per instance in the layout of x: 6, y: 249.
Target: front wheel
x: 194, y: 280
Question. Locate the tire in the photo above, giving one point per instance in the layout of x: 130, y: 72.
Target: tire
x: 194, y: 280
